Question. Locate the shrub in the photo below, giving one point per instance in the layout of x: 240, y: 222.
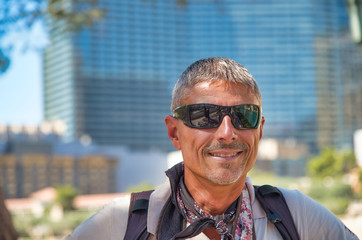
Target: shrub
x: 65, y: 196
x: 336, y: 196
x: 144, y: 186
x: 330, y: 162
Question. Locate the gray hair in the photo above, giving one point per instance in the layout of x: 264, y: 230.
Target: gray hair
x: 209, y: 70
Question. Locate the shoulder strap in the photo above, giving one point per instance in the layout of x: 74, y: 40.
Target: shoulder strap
x: 137, y: 216
x: 276, y: 208
x: 270, y: 198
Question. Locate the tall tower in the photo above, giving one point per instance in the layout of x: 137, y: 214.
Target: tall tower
x: 113, y: 81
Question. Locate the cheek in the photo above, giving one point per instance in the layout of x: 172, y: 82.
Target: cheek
x: 251, y: 138
x: 192, y: 141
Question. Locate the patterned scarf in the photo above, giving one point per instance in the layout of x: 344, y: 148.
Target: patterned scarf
x: 244, y: 228
x: 222, y: 223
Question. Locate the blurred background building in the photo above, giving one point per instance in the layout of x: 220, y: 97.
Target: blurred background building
x: 113, y: 81
x: 33, y: 159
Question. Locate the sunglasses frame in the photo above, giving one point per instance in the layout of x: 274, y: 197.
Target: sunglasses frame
x: 183, y: 113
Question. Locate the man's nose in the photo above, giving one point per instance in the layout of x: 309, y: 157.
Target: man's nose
x: 226, y: 131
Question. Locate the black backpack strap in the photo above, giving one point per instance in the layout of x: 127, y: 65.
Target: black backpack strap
x: 277, y: 211
x: 137, y: 216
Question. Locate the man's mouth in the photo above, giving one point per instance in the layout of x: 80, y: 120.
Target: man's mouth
x: 225, y: 155
x: 225, y: 151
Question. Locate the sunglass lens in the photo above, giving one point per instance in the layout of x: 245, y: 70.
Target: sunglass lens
x: 245, y: 116
x: 204, y: 116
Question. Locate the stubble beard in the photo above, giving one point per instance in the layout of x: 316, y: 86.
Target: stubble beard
x: 224, y: 177
x: 227, y: 173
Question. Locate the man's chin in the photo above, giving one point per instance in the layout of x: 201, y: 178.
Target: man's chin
x: 223, y: 177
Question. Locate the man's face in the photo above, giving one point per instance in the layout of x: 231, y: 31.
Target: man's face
x: 222, y: 155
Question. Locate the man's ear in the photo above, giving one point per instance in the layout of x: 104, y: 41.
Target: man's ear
x: 172, y: 131
x: 261, y: 127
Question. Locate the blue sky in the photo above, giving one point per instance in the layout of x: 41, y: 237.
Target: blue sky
x: 21, y: 85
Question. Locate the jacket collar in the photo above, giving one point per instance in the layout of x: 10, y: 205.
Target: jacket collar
x: 163, y: 192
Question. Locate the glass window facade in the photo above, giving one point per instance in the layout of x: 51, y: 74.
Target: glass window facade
x: 113, y: 81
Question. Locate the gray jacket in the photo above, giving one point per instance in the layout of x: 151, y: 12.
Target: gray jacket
x: 312, y: 220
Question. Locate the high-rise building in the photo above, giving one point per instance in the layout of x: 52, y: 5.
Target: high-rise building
x: 113, y: 81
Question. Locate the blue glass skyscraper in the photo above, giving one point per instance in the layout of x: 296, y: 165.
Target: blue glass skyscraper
x: 113, y: 81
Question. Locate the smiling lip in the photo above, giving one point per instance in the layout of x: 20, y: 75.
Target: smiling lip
x: 225, y: 154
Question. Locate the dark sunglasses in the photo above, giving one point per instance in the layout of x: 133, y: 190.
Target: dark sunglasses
x: 203, y: 115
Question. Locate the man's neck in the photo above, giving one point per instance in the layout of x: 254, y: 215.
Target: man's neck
x: 213, y: 198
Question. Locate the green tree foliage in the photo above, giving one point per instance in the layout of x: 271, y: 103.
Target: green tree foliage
x: 82, y: 12
x: 144, y: 186
x: 331, y: 162
x: 336, y: 196
x: 22, y: 15
x: 65, y: 196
